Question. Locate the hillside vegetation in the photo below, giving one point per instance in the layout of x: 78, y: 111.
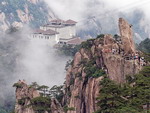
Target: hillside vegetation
x: 145, y: 45
x: 131, y: 97
x: 24, y: 11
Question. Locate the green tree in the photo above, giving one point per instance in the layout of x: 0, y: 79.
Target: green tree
x: 44, y: 89
x: 131, y: 97
x: 41, y: 104
x: 66, y: 109
x: 17, y: 85
x: 57, y: 92
x: 34, y: 85
x: 69, y: 50
x: 110, y: 100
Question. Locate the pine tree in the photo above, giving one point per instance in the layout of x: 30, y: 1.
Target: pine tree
x: 44, y: 89
x: 131, y: 97
x: 110, y: 97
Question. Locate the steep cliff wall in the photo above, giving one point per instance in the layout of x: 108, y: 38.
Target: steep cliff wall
x: 24, y: 100
x: 126, y: 36
x: 24, y: 94
x: 105, y: 54
x: 114, y: 57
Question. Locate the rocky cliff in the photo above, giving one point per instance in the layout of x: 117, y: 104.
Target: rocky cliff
x: 105, y: 55
x: 114, y: 57
x: 24, y: 94
x: 20, y: 12
x: 126, y: 36
x: 25, y: 102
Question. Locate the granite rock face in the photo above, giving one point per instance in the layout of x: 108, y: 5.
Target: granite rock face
x: 26, y: 93
x: 105, y: 54
x: 126, y: 36
x: 56, y: 106
x: 109, y: 54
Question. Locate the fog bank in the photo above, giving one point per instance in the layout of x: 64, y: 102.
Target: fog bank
x: 101, y: 16
x: 32, y: 60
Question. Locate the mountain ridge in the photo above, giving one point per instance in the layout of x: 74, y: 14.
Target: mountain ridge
x: 104, y: 56
x: 17, y: 13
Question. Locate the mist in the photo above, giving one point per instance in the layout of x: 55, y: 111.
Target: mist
x: 101, y: 16
x: 39, y: 62
x: 36, y: 61
x: 32, y: 60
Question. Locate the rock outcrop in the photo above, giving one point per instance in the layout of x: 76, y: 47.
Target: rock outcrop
x: 56, y: 106
x: 106, y: 55
x: 115, y: 57
x: 24, y: 95
x: 126, y: 36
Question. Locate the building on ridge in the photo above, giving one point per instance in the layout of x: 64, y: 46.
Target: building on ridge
x: 58, y: 32
x: 50, y: 35
x: 66, y: 29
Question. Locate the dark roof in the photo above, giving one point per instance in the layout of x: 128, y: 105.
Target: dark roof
x: 70, y: 22
x: 75, y: 41
x: 58, y: 21
x: 37, y: 31
x: 47, y: 32
x: 54, y: 26
x: 64, y: 39
x: 50, y: 32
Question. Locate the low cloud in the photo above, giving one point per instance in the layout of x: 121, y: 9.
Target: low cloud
x: 33, y: 60
x: 105, y: 13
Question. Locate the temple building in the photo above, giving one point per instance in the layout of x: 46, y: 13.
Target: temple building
x: 58, y: 31
x: 50, y: 35
x: 66, y: 29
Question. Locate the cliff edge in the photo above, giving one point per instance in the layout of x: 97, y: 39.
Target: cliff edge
x: 115, y: 57
x: 29, y: 100
x: 112, y: 56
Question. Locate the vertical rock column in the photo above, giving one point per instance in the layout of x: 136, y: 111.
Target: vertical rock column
x: 126, y: 36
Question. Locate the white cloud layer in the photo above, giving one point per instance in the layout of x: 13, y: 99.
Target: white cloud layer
x: 76, y: 9
x: 80, y: 10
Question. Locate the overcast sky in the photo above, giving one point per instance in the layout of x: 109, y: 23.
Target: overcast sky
x: 77, y: 8
x: 105, y: 11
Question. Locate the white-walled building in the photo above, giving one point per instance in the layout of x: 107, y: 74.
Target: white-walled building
x: 66, y: 29
x: 57, y: 31
x: 49, y: 35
